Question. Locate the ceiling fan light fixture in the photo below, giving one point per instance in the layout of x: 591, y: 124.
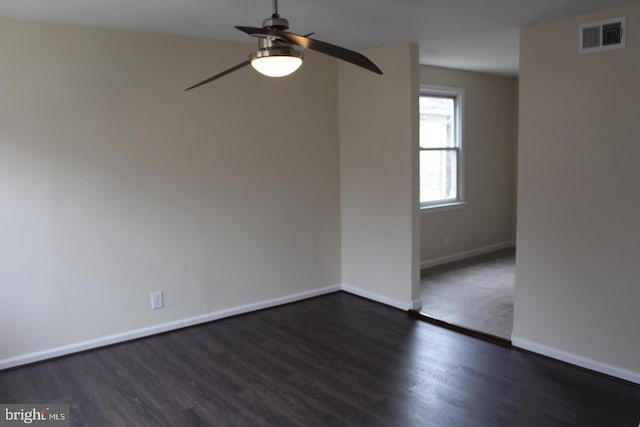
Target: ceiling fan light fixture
x: 276, y: 62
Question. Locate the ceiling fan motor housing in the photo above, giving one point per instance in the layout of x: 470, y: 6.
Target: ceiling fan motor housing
x: 274, y: 47
x: 276, y: 23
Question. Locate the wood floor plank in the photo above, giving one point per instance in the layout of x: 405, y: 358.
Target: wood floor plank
x: 332, y: 360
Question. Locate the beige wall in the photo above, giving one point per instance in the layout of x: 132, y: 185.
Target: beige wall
x: 378, y: 148
x: 115, y: 183
x: 577, y: 287
x: 489, y: 143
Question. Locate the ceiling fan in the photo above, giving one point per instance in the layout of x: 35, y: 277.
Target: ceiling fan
x: 277, y: 55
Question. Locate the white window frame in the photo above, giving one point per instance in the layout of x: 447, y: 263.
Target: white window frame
x: 458, y: 94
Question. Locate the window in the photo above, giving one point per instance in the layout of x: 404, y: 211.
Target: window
x: 441, y: 156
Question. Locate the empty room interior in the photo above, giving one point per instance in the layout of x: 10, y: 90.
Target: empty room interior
x: 344, y: 245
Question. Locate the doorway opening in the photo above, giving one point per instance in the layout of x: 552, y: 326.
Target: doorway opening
x: 473, y: 295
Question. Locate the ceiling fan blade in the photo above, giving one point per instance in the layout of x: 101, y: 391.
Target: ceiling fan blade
x: 217, y: 76
x: 255, y: 31
x: 331, y: 50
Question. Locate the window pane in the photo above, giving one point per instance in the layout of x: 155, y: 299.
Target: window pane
x: 437, y: 122
x: 438, y: 175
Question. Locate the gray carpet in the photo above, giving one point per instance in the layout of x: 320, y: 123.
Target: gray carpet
x: 476, y: 293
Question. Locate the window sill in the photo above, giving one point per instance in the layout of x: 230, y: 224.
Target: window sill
x: 444, y: 207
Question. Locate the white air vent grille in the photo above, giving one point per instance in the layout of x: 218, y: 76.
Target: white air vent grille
x: 602, y: 35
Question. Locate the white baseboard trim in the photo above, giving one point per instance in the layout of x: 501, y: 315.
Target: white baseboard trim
x: 164, y: 327
x: 466, y: 254
x: 402, y: 305
x: 577, y: 360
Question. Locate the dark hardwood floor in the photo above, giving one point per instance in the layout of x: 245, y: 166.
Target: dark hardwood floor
x: 331, y: 360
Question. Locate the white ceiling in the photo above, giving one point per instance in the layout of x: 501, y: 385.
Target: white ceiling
x: 479, y: 35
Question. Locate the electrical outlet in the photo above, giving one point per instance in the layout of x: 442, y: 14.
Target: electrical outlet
x: 446, y: 240
x: 157, y: 300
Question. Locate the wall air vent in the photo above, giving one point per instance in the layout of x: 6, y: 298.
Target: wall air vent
x: 601, y: 35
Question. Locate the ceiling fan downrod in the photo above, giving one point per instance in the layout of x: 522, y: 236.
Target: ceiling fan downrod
x: 275, y: 22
